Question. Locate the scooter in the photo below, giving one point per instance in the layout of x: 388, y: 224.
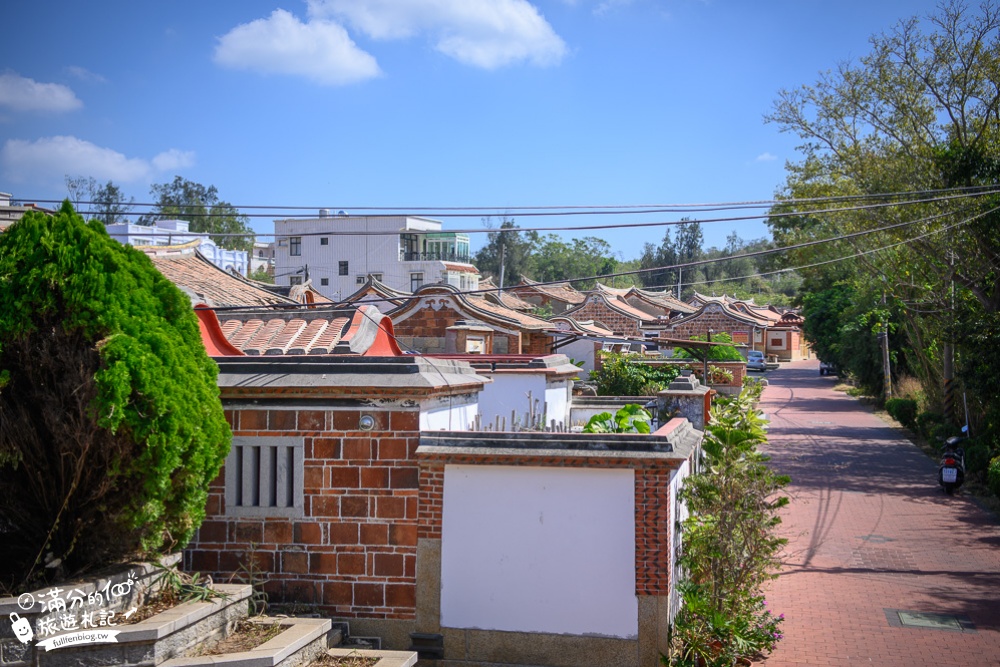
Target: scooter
x: 951, y: 470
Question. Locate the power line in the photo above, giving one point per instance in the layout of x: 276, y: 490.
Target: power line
x: 314, y: 307
x: 630, y: 225
x: 602, y: 209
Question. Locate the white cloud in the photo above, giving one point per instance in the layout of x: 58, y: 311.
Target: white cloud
x: 23, y: 94
x: 319, y: 50
x: 85, y: 74
x: 482, y: 33
x: 610, y: 5
x: 47, y: 161
x: 766, y: 157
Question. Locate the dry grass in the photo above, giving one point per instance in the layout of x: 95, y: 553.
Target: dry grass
x: 245, y: 637
x: 352, y: 660
x: 162, y: 601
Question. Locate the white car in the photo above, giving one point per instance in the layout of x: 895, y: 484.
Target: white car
x: 755, y: 361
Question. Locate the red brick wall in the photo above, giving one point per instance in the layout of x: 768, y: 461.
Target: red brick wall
x: 699, y: 327
x: 353, y: 553
x: 620, y: 324
x: 425, y: 330
x: 652, y: 505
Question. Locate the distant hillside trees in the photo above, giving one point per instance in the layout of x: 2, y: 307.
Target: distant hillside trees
x: 111, y: 427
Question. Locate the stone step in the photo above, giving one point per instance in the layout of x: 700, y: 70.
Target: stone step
x: 385, y: 658
x: 301, y: 642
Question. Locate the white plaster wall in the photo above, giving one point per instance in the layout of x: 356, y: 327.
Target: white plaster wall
x: 558, y: 395
x: 510, y: 392
x: 581, y: 350
x: 531, y: 549
x: 680, y: 512
x: 454, y: 413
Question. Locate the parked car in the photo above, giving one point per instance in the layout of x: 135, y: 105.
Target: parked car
x: 827, y: 368
x: 756, y: 361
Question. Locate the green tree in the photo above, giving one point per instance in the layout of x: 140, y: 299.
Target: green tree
x: 918, y: 112
x: 106, y: 202
x: 182, y: 199
x: 506, y: 251
x: 111, y: 428
x: 576, y: 261
x: 730, y: 543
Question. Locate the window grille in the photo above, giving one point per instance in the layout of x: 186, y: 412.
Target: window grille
x: 264, y: 477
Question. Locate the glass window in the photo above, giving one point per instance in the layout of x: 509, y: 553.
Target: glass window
x: 416, y: 280
x: 360, y: 280
x: 377, y: 276
x: 324, y: 240
x: 342, y: 268
x: 324, y: 281
x: 294, y: 280
x: 295, y: 246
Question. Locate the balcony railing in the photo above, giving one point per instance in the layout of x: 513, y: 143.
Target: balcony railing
x: 435, y: 257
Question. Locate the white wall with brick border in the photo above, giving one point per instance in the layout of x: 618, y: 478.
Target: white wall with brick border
x: 538, y: 549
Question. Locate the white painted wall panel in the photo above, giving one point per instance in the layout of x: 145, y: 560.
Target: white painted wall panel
x: 510, y: 392
x: 531, y: 549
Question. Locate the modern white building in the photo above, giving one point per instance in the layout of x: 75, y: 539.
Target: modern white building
x: 175, y: 233
x: 338, y: 253
x: 262, y: 257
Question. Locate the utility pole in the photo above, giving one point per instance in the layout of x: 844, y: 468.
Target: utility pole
x: 886, y: 369
x: 680, y: 271
x: 948, y: 351
x: 503, y: 248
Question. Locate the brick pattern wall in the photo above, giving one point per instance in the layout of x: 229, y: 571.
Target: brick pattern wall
x: 699, y: 326
x: 653, y: 528
x: 353, y: 553
x: 652, y: 505
x: 596, y: 309
x: 424, y: 330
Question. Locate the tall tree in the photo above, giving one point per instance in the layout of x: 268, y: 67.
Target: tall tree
x: 506, y: 252
x: 106, y: 202
x: 182, y: 199
x: 920, y: 111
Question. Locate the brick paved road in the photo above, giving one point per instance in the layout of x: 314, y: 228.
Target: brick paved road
x: 870, y: 532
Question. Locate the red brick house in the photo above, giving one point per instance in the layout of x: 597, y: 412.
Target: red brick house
x: 611, y: 309
x: 560, y: 297
x: 353, y: 483
x: 423, y: 324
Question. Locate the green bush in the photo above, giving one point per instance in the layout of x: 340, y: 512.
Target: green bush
x: 715, y: 353
x: 977, y: 457
x: 112, y: 424
x: 625, y: 375
x: 731, y: 546
x: 927, y: 421
x: 993, y: 476
x: 903, y: 410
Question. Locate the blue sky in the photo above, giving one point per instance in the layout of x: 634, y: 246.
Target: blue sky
x: 421, y: 103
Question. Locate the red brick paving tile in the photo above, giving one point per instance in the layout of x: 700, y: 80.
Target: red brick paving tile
x: 869, y: 530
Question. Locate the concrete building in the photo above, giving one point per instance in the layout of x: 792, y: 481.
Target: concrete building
x: 340, y: 252
x: 176, y: 233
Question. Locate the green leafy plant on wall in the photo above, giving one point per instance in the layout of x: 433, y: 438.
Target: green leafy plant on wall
x: 631, y: 418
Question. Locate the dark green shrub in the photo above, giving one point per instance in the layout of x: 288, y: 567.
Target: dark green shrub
x: 903, y: 410
x: 111, y: 428
x: 927, y: 421
x: 977, y: 458
x: 715, y: 353
x: 625, y: 375
x: 993, y: 476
